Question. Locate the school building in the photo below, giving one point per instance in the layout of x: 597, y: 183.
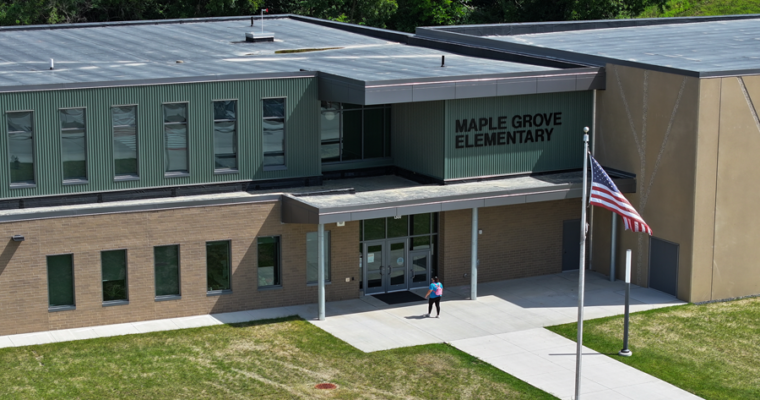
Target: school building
x: 159, y: 169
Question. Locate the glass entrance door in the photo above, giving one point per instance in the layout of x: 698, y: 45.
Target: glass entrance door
x: 419, y: 268
x: 374, y: 267
x: 397, y: 266
x: 386, y: 267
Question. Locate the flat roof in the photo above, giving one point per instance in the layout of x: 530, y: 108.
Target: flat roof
x: 702, y: 47
x: 397, y: 197
x: 215, y: 48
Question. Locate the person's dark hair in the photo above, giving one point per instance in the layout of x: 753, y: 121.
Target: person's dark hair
x: 435, y: 279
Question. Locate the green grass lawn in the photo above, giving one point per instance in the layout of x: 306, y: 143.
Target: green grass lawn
x: 275, y: 359
x: 711, y: 350
x: 689, y: 8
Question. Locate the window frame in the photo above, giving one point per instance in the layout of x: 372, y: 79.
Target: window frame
x: 284, y: 165
x: 218, y: 292
x: 279, y: 284
x: 74, y: 181
x: 109, y: 303
x: 328, y: 260
x: 22, y: 185
x: 340, y: 110
x: 73, y: 284
x: 136, y: 176
x: 165, y: 297
x: 225, y: 171
x: 175, y: 174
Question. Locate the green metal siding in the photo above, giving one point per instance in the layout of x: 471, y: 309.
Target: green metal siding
x: 563, y: 151
x: 417, y: 137
x: 302, y: 135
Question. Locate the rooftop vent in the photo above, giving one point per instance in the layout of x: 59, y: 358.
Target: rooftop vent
x: 259, y: 37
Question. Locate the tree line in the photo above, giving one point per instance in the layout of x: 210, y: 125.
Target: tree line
x: 402, y: 15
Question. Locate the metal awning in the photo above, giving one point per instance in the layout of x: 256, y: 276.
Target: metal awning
x: 385, y: 201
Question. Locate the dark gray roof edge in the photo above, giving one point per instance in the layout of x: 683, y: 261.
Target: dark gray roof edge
x: 549, y: 53
x: 506, y: 75
x: 564, y: 26
x: 127, y: 208
x: 159, y: 81
x: 377, y: 33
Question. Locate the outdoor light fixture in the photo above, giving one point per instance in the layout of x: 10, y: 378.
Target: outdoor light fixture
x: 329, y: 115
x: 18, y: 238
x: 342, y: 223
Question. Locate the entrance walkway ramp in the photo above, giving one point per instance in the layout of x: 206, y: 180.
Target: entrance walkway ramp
x: 504, y: 328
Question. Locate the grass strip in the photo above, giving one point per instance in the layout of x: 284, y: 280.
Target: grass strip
x: 710, y: 350
x: 273, y: 359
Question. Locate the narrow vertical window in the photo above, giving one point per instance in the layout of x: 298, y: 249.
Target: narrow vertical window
x: 175, y: 138
x: 225, y: 135
x: 60, y: 271
x: 124, y: 123
x: 269, y: 261
x: 73, y: 144
x: 21, y: 148
x: 166, y: 260
x: 218, y: 266
x: 274, y: 132
x: 330, y: 132
x: 312, y: 266
x: 114, y: 269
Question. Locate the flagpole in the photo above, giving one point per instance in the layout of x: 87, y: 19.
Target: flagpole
x: 581, y: 269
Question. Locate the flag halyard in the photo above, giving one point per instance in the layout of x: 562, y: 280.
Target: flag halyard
x: 605, y: 194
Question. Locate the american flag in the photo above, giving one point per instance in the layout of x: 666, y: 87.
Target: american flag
x: 605, y: 194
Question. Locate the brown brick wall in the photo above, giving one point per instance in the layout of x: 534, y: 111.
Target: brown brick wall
x: 517, y: 241
x: 23, y: 268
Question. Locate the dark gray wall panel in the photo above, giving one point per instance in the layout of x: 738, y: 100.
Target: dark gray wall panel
x: 556, y: 84
x: 510, y: 87
x: 386, y: 95
x: 435, y: 91
x: 467, y: 90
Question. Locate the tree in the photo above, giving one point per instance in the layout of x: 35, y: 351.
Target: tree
x: 498, y: 11
x: 414, y: 13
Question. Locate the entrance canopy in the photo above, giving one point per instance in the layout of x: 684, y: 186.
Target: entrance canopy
x: 394, y: 196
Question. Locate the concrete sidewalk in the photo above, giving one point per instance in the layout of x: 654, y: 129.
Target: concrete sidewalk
x: 504, y: 327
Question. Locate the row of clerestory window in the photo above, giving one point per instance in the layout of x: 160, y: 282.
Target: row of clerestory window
x: 74, y: 132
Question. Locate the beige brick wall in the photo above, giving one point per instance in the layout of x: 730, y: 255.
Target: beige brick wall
x: 23, y: 268
x: 517, y: 241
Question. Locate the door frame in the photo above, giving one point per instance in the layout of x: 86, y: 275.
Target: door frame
x: 367, y: 289
x: 385, y: 269
x: 410, y: 268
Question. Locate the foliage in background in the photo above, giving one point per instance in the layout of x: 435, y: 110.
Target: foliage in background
x: 689, y: 8
x: 495, y: 11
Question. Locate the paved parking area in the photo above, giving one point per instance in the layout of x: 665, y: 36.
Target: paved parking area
x: 504, y: 327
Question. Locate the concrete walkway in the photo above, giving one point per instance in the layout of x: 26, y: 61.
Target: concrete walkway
x: 504, y: 327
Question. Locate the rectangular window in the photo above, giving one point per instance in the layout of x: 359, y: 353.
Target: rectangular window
x: 269, y: 261
x: 60, y: 281
x: 312, y: 270
x: 73, y: 144
x: 166, y: 259
x: 114, y: 269
x: 21, y: 147
x: 225, y: 135
x: 354, y: 132
x: 175, y: 139
x: 273, y: 138
x: 124, y: 124
x: 218, y: 266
